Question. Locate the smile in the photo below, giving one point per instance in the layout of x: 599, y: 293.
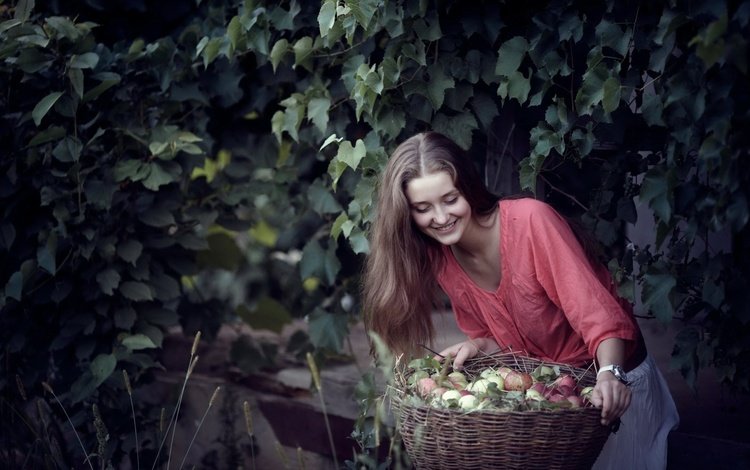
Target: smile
x: 446, y: 228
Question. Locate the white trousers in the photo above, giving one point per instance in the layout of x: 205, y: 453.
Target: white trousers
x: 641, y: 441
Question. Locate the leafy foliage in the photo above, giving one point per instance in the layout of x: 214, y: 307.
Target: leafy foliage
x: 228, y: 157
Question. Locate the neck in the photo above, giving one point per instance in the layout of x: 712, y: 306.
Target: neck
x: 476, y: 240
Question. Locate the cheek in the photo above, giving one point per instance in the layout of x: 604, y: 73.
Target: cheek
x: 421, y: 220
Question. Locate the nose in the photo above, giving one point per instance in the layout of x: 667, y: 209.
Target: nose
x: 440, y: 216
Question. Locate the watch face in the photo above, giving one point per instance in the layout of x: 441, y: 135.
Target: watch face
x: 620, y: 374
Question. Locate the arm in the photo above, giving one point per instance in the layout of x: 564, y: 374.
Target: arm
x: 611, y: 395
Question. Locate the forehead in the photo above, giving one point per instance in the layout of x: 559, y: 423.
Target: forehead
x: 429, y: 187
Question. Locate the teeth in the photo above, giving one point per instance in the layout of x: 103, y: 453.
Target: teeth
x: 446, y: 227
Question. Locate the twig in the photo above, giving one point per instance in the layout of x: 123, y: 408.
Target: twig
x: 203, y: 418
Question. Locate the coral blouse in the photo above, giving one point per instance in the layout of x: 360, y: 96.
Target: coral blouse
x: 551, y: 303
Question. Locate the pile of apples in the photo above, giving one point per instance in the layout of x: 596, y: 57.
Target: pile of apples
x: 501, y: 389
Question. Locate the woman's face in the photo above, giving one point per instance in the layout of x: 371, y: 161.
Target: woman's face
x: 438, y: 208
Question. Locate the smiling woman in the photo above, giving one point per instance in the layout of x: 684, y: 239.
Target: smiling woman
x: 517, y: 276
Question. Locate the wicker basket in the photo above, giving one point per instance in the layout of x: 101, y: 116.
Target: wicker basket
x: 453, y: 439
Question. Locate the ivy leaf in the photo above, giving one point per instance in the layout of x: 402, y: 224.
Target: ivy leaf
x: 459, y: 128
x: 47, y: 135
x: 138, y: 341
x: 108, y: 280
x: 234, y: 30
x: 337, y: 226
x: 611, y: 94
x: 317, y: 112
x: 46, y: 255
x: 656, y: 191
x: 328, y: 330
x: 68, y: 150
x: 268, y: 314
x: 439, y: 82
x: 652, y: 109
x: 278, y: 51
x: 363, y: 10
x: 157, y: 176
x: 510, y: 56
x: 321, y: 199
x: 656, y: 290
x: 136, y: 291
x: 303, y: 49
x: 43, y: 106
x: 519, y: 87
x: 611, y: 35
x: 326, y: 17
x: 485, y: 108
x: 319, y: 263
x: 108, y: 80
x: 14, y: 286
x: 359, y: 243
x: 591, y: 92
x: 102, y: 367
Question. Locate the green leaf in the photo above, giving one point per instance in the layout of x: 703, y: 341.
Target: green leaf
x: 234, y: 30
x: 268, y: 314
x: 157, y: 216
x: 76, y: 81
x: 328, y: 330
x: 459, y: 127
x: 656, y: 190
x: 14, y: 286
x: 47, y: 135
x: 338, y: 224
x: 591, y: 92
x: 611, y: 35
x: 108, y: 280
x: 158, y: 177
x: 130, y: 250
x: 87, y: 60
x: 363, y: 10
x: 46, y: 255
x: 108, y: 80
x: 611, y: 94
x: 351, y: 155
x: 327, y: 17
x: 23, y: 10
x: 321, y: 199
x: 125, y: 318
x: 510, y: 56
x: 211, y: 51
x: 68, y: 150
x: 63, y: 27
x: 519, y: 87
x: 138, y: 341
x: 136, y: 291
x: 652, y: 109
x: 303, y: 50
x: 656, y: 290
x: 278, y: 51
x: 102, y: 367
x: 43, y: 106
x: 317, y: 112
x: 439, y: 82
x: 33, y: 60
x: 359, y: 243
x: 319, y: 263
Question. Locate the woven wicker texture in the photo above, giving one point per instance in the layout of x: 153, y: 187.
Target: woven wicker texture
x: 438, y: 439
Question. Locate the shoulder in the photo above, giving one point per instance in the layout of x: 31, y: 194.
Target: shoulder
x: 527, y: 209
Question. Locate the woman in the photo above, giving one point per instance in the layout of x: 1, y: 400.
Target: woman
x: 517, y: 277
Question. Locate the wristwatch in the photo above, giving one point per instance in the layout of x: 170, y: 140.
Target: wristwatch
x: 616, y: 370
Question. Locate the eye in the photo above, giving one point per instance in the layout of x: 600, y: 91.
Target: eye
x: 420, y: 210
x: 451, y: 200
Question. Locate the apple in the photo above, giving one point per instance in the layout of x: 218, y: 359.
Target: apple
x: 575, y: 401
x: 451, y: 397
x: 566, y: 380
x: 478, y: 386
x: 468, y: 402
x: 425, y: 386
x: 518, y: 381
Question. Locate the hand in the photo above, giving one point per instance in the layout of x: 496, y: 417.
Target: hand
x: 468, y: 349
x: 611, y: 395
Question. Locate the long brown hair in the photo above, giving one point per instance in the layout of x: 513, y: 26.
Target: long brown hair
x: 400, y: 290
